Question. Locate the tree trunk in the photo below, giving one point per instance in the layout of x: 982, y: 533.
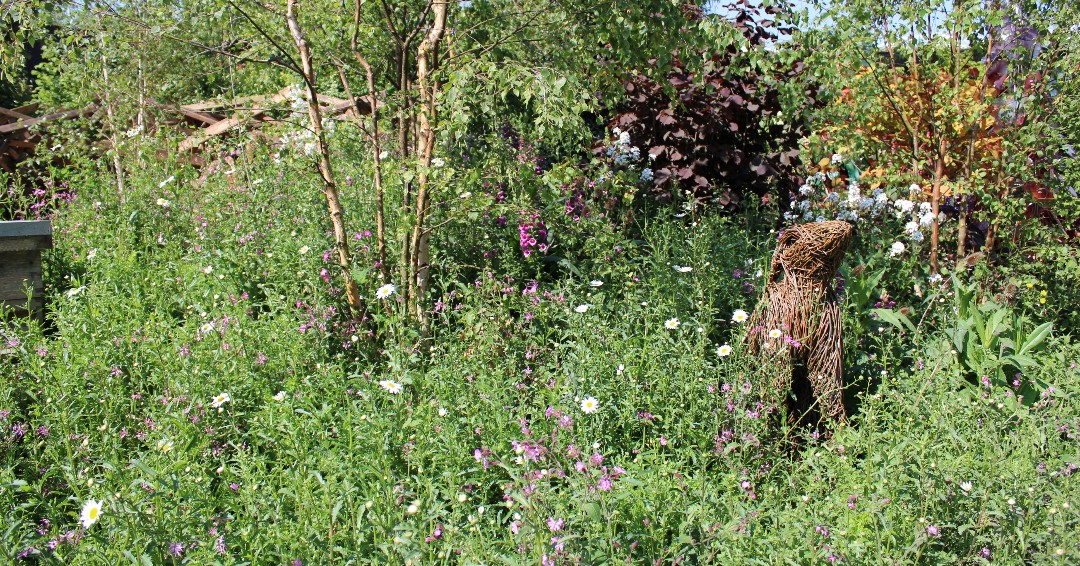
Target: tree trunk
x: 961, y: 227
x: 380, y: 220
x: 115, y: 135
x: 969, y: 158
x: 935, y: 204
x: 426, y: 61
x: 337, y: 213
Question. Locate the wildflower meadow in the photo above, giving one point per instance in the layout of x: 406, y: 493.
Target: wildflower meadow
x: 495, y: 309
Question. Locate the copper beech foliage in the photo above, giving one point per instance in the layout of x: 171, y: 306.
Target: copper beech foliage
x: 718, y: 130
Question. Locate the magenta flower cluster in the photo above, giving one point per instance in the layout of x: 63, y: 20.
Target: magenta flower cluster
x: 532, y: 235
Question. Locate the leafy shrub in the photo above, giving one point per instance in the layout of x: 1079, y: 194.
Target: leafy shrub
x: 719, y: 129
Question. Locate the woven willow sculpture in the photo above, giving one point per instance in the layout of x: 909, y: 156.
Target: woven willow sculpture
x: 800, y: 302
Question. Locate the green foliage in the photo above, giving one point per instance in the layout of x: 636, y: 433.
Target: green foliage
x: 157, y: 307
x: 992, y: 342
x: 581, y: 394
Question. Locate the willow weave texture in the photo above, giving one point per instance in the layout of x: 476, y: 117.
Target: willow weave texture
x: 801, y: 302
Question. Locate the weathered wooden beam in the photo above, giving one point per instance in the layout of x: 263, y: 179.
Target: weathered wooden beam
x: 25, y: 235
x: 28, y: 109
x: 200, y: 116
x: 223, y: 126
x: 236, y: 102
x: 24, y: 124
x: 214, y: 105
x: 13, y: 115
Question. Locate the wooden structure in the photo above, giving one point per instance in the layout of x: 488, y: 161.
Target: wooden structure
x: 18, y: 134
x: 217, y: 118
x: 797, y: 322
x: 21, y: 129
x: 21, y: 242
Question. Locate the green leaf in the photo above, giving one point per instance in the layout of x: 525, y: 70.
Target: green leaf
x: 895, y: 318
x: 336, y: 510
x: 1036, y: 338
x: 1021, y: 360
x: 592, y: 509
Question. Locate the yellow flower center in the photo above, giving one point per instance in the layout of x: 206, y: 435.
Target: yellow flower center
x: 93, y: 513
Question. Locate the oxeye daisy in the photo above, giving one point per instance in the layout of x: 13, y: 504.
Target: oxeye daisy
x: 671, y: 323
x: 723, y: 351
x: 775, y: 333
x: 581, y: 308
x: 163, y: 203
x: 91, y: 512
x: 739, y: 316
x: 390, y: 386
x: 207, y: 328
x: 589, y: 405
x: 385, y: 291
x: 220, y: 400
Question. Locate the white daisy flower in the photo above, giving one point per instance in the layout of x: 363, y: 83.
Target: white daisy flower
x: 279, y: 396
x: 775, y: 333
x: 589, y: 405
x: 91, y: 512
x: 739, y: 316
x: 581, y: 308
x: 391, y: 386
x: 671, y: 323
x: 304, y: 250
x: 163, y: 203
x: 220, y: 400
x: 723, y: 351
x: 385, y: 291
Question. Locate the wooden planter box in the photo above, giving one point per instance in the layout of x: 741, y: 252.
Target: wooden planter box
x: 21, y: 242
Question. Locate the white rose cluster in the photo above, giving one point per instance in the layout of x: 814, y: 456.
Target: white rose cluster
x: 623, y: 154
x: 816, y: 200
